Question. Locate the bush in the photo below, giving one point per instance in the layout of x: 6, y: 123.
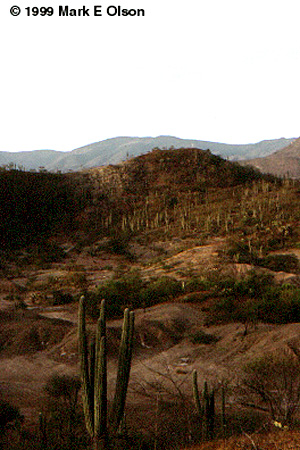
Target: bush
x: 117, y: 244
x: 241, y: 252
x: 278, y: 263
x: 61, y: 298
x: 61, y: 419
x: 256, y: 298
x: 200, y: 337
x: 131, y: 291
x: 63, y: 387
x: 160, y: 290
x: 272, y: 383
x: 121, y: 293
x: 9, y: 415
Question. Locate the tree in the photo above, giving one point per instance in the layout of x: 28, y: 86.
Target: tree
x: 272, y: 384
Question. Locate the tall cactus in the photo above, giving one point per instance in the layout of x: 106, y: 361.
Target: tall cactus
x: 197, y: 394
x: 93, y: 367
x: 207, y: 411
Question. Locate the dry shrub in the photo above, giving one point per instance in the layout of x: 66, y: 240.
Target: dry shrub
x: 272, y: 383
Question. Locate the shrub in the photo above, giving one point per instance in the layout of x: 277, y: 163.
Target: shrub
x: 120, y: 293
x: 272, y: 383
x: 277, y: 263
x: 256, y: 298
x: 241, y: 251
x: 60, y: 422
x: 131, y: 291
x: 63, y: 387
x: 117, y: 244
x: 200, y: 337
x: 9, y: 415
x: 160, y: 290
x: 61, y: 298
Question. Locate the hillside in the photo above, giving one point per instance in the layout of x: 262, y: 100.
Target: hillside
x: 115, y: 150
x: 204, y: 250
x: 283, y: 163
x: 167, y: 191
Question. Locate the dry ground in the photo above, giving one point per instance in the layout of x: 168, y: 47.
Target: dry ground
x: 37, y: 343
x: 276, y: 440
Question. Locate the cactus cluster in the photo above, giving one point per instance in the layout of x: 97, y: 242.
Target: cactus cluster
x: 205, y: 405
x: 93, y: 368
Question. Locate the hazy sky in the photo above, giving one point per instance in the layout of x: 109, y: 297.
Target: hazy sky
x: 217, y: 70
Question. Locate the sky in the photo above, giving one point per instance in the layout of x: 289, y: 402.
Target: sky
x: 213, y: 70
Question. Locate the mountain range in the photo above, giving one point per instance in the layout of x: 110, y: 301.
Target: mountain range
x: 285, y: 162
x: 115, y: 150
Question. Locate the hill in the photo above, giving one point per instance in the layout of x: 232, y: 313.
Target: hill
x: 115, y: 150
x: 283, y: 163
x: 206, y: 252
x: 163, y: 189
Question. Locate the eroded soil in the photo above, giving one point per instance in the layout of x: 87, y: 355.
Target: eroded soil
x: 42, y: 340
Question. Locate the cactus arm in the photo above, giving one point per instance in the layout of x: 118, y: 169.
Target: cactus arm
x: 92, y: 363
x: 196, y: 394
x: 206, y: 399
x: 129, y: 348
x: 100, y: 392
x: 124, y: 366
x: 84, y: 369
x: 223, y: 417
x: 211, y: 415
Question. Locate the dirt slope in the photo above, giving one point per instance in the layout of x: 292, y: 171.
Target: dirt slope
x: 162, y: 346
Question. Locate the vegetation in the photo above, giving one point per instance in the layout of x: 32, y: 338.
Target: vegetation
x: 255, y: 298
x: 205, y: 406
x: 60, y: 418
x: 34, y: 205
x: 162, y: 196
x: 94, y: 377
x: 272, y: 383
x: 170, y: 191
x: 200, y: 337
x: 130, y: 290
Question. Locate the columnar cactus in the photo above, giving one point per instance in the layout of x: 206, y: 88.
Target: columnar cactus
x: 197, y: 394
x: 223, y: 416
x: 207, y: 411
x: 43, y: 431
x: 93, y: 367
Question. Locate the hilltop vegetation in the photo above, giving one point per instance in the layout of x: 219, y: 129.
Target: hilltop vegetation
x: 186, y: 193
x: 171, y: 191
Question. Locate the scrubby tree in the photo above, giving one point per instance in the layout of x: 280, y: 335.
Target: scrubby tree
x: 272, y: 384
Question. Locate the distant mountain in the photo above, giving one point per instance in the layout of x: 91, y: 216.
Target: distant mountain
x: 285, y: 162
x: 31, y: 159
x: 115, y: 150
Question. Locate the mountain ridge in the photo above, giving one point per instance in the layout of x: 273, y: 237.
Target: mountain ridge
x: 284, y: 162
x: 115, y: 150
